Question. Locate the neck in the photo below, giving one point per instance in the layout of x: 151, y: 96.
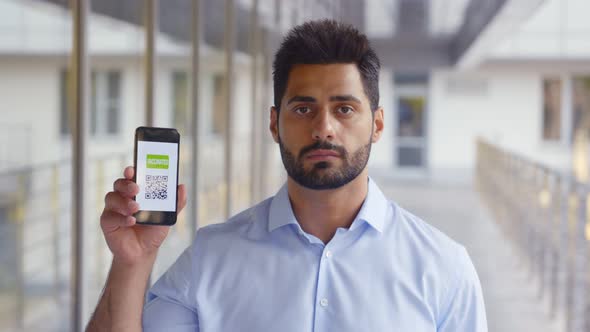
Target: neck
x: 322, y: 212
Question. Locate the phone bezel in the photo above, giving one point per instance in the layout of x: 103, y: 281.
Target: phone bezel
x: 156, y: 134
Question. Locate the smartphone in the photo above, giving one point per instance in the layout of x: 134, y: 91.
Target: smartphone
x: 156, y: 174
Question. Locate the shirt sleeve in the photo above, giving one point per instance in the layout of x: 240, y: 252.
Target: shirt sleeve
x: 465, y: 309
x: 170, y: 305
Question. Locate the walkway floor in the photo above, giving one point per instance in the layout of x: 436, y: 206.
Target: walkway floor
x: 512, y: 303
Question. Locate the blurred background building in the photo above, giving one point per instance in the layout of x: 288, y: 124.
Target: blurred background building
x: 480, y: 96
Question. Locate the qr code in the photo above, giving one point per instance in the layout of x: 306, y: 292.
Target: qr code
x: 156, y: 186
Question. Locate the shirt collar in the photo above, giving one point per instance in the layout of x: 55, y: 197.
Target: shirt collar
x: 372, y: 211
x: 374, y: 208
x: 281, y: 212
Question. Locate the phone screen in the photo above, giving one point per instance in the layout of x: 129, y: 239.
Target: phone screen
x: 156, y: 175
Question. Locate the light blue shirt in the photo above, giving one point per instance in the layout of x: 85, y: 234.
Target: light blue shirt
x: 390, y: 271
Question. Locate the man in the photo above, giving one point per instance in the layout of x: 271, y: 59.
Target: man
x: 327, y: 253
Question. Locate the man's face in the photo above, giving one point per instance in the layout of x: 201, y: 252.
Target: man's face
x: 326, y: 127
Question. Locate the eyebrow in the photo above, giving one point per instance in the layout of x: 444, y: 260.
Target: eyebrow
x: 309, y: 99
x: 345, y: 98
x: 306, y: 99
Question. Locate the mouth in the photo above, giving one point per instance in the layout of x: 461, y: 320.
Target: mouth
x: 322, y: 155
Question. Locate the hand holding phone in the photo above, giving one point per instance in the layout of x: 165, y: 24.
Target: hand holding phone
x: 129, y: 242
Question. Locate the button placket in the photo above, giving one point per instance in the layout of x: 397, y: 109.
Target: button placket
x: 321, y: 298
x: 327, y: 254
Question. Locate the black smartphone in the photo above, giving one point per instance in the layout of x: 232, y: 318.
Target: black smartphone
x: 156, y: 174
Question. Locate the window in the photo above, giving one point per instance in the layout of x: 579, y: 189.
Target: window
x: 105, y: 103
x: 64, y: 81
x: 564, y: 117
x: 552, y: 112
x: 180, y: 102
x: 219, y: 104
x: 411, y: 112
x: 410, y: 116
x: 581, y: 104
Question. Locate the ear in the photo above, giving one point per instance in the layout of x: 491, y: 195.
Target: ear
x: 274, y: 123
x: 377, y: 125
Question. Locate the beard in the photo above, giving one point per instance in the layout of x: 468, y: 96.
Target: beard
x: 325, y: 175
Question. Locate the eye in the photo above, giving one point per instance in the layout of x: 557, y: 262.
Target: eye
x: 345, y: 110
x: 302, y: 110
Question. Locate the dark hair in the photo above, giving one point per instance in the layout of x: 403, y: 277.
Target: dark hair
x: 326, y: 42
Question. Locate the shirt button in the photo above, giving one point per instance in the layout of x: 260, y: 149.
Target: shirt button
x: 324, y: 302
x: 328, y: 254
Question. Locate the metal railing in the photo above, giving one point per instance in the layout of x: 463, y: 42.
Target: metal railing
x: 35, y: 239
x: 545, y: 214
x: 35, y: 235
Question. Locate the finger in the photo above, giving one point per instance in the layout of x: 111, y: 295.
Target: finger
x: 122, y: 205
x: 111, y: 221
x: 181, y: 197
x: 126, y: 187
x: 129, y: 172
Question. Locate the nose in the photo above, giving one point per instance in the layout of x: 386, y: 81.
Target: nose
x: 323, y: 127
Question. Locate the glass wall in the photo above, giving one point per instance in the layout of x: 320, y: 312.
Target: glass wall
x: 116, y: 101
x: 211, y: 112
x: 230, y: 100
x: 172, y: 91
x: 35, y: 171
x: 242, y: 105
